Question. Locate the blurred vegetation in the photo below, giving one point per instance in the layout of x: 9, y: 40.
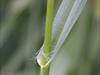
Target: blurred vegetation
x: 22, y: 35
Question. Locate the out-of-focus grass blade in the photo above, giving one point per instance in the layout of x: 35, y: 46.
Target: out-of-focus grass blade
x: 30, y: 38
x: 15, y: 7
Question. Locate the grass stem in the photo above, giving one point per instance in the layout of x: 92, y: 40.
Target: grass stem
x: 47, y: 40
x: 45, y: 70
x: 48, y: 27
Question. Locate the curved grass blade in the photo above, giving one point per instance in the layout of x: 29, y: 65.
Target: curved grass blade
x: 72, y: 18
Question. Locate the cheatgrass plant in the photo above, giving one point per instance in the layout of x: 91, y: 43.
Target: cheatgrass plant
x: 65, y: 33
x: 68, y: 16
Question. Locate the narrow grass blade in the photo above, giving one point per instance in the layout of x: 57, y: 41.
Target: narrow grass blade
x: 60, y: 19
x: 72, y: 18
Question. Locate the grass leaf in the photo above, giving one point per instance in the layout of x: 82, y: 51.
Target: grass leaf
x: 72, y: 18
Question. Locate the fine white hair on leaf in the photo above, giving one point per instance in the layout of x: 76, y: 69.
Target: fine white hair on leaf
x: 73, y: 15
x: 61, y: 15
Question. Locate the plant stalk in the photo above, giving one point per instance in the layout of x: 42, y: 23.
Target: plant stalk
x: 48, y: 27
x: 45, y: 70
x: 47, y: 39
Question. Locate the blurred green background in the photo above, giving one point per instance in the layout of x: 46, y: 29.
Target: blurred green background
x: 22, y: 34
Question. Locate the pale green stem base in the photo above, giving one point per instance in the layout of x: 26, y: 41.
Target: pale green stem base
x: 45, y: 70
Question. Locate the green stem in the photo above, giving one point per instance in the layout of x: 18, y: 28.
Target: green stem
x: 47, y: 40
x: 45, y: 70
x: 48, y: 27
